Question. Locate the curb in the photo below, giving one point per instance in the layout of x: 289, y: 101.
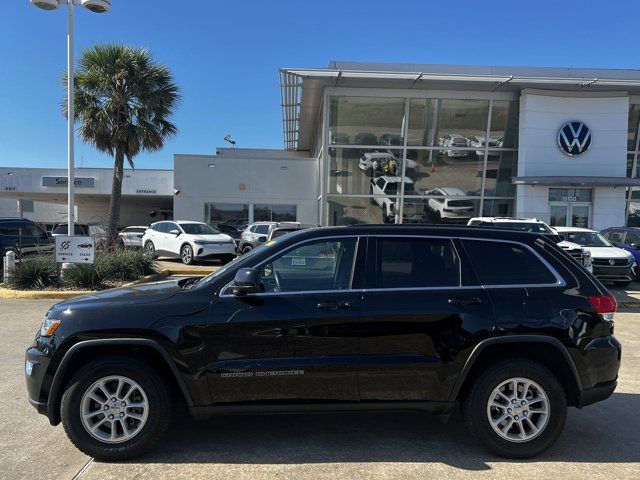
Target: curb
x: 6, y: 293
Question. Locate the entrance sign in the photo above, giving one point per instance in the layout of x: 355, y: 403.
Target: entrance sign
x: 75, y: 249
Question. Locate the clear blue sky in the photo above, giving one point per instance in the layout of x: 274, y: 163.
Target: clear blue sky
x: 225, y: 56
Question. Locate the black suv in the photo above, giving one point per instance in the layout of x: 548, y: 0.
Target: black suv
x: 23, y: 237
x: 503, y: 323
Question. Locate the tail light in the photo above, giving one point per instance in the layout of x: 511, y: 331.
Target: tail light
x: 605, y: 305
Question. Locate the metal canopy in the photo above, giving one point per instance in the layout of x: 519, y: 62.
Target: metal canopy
x: 578, y: 181
x: 301, y: 89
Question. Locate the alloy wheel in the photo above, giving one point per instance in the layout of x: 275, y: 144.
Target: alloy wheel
x: 114, y: 409
x: 187, y: 254
x: 518, y: 409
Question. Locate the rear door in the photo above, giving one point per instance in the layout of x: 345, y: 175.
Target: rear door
x: 422, y: 308
x: 298, y: 340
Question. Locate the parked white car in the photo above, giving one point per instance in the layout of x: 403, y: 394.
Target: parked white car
x: 131, y: 237
x: 453, y: 140
x: 387, y: 190
x: 477, y: 141
x: 449, y: 209
x: 189, y: 241
x: 610, y: 264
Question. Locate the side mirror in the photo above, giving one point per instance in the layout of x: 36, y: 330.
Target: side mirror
x: 634, y: 245
x: 247, y: 280
x: 262, y: 239
x: 175, y: 232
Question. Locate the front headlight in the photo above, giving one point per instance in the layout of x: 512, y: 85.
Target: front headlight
x: 49, y: 327
x: 200, y: 242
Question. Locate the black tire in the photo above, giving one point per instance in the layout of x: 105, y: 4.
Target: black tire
x: 626, y: 283
x: 246, y: 249
x: 386, y: 218
x: 186, y: 255
x: 475, y: 401
x: 150, y: 248
x: 158, y: 397
x: 226, y: 259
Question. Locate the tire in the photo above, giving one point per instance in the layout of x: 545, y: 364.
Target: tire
x: 622, y: 284
x: 150, y: 248
x: 156, y: 419
x: 226, y: 259
x: 386, y: 218
x: 476, y: 411
x: 186, y: 255
x: 246, y: 249
x: 369, y: 172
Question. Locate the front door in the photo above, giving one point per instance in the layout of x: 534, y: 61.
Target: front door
x: 570, y: 215
x: 417, y: 319
x: 298, y: 340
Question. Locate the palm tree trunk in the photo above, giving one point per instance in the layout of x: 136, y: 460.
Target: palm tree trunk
x: 116, y: 191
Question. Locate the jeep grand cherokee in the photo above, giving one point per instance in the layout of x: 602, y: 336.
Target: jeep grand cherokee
x: 503, y: 323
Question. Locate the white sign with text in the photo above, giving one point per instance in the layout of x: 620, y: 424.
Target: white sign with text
x: 74, y: 249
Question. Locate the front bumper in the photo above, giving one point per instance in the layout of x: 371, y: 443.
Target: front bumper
x: 36, y: 378
x: 215, y: 250
x: 613, y: 273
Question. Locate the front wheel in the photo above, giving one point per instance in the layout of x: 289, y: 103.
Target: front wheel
x: 186, y: 254
x: 246, y: 249
x: 115, y: 408
x: 517, y: 408
x: 150, y: 248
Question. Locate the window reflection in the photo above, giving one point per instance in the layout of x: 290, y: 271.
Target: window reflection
x: 504, y: 124
x: 634, y: 118
x: 366, y: 121
x: 501, y: 168
x: 351, y: 170
x: 431, y: 169
x: 350, y: 211
x: 497, y: 208
x: 440, y: 206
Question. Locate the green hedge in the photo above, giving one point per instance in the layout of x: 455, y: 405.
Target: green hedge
x: 36, y: 273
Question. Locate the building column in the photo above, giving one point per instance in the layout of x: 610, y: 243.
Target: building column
x: 20, y: 208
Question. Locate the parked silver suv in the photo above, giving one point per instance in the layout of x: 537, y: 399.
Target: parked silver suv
x: 257, y: 233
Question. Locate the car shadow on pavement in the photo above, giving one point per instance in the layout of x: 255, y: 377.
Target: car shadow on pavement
x: 606, y: 432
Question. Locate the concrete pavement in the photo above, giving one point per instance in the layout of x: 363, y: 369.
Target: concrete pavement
x: 599, y: 442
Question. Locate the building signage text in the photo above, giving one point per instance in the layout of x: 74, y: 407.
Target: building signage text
x: 80, y: 182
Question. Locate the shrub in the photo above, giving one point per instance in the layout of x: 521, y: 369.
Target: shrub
x: 82, y: 275
x: 34, y: 273
x: 125, y: 265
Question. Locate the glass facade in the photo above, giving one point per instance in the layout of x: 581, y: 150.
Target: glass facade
x: 274, y: 213
x: 633, y: 140
x: 419, y: 160
x: 235, y: 214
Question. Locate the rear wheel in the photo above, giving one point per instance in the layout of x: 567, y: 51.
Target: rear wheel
x: 116, y: 408
x: 247, y: 249
x: 186, y: 255
x: 517, y: 408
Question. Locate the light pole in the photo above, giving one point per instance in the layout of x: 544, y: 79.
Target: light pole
x: 96, y: 6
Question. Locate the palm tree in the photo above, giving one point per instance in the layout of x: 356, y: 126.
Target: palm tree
x: 123, y: 101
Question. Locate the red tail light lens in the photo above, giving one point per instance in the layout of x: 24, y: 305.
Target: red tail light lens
x: 603, y: 303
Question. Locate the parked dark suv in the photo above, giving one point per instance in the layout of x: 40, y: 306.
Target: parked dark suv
x: 24, y: 237
x: 503, y: 323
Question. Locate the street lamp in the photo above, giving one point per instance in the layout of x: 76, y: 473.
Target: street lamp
x: 96, y: 6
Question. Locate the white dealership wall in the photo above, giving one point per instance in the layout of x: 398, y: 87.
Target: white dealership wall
x: 246, y: 176
x: 143, y: 191
x: 542, y: 113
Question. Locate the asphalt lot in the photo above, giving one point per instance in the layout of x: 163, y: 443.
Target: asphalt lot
x: 601, y: 441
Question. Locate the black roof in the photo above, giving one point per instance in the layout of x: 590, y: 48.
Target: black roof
x: 416, y: 229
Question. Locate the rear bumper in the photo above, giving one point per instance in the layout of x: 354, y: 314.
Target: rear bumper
x: 597, y: 393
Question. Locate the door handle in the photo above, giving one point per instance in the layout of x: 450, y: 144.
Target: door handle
x: 333, y: 305
x: 465, y: 301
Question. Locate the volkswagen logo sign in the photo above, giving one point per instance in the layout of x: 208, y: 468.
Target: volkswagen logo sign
x: 612, y: 261
x: 574, y: 138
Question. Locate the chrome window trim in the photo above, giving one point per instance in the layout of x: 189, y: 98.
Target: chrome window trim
x: 223, y: 290
x: 560, y: 282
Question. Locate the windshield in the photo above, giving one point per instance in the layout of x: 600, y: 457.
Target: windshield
x: 198, y: 229
x: 525, y: 227
x: 63, y: 229
x: 587, y: 239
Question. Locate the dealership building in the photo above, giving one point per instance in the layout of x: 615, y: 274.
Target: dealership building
x: 410, y: 143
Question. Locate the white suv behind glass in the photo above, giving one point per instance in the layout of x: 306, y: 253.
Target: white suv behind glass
x: 189, y: 241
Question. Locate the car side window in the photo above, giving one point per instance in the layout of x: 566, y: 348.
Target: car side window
x: 615, y: 237
x: 506, y: 263
x: 10, y: 228
x: 161, y: 227
x: 632, y: 239
x: 262, y: 229
x: 380, y: 183
x: 313, y: 266
x: 415, y: 262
